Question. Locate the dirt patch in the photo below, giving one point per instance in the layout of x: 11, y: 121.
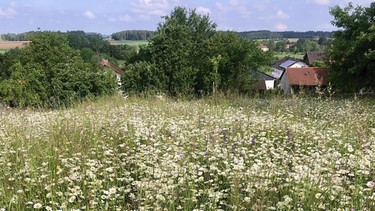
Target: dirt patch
x: 12, y: 44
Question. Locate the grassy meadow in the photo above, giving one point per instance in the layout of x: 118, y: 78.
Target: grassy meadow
x: 281, y: 55
x: 209, y: 154
x: 129, y: 42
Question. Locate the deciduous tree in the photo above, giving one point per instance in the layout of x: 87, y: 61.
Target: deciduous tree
x: 48, y: 73
x: 352, y: 52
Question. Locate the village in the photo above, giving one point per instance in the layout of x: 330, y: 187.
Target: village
x: 195, y: 118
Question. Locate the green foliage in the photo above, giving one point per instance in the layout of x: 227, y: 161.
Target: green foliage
x: 18, y: 37
x: 6, y: 61
x: 238, y: 58
x: 80, y: 40
x: 132, y: 35
x: 264, y: 34
x: 351, y: 55
x: 193, y: 59
x: 88, y: 55
x: 142, y: 77
x: 48, y: 73
x: 304, y: 45
x: 177, y: 50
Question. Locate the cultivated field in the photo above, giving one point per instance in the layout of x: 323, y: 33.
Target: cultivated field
x: 128, y: 42
x: 212, y: 154
x: 5, y: 45
x: 281, y: 55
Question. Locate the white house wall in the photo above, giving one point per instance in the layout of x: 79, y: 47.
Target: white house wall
x: 270, y: 84
x: 118, y: 78
x: 284, y: 84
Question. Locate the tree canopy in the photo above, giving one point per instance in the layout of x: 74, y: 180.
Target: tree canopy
x: 49, y: 73
x: 352, y: 52
x: 186, y: 55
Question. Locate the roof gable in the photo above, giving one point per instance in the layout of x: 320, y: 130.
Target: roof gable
x: 307, y: 76
x: 106, y: 63
x: 260, y: 75
x: 313, y: 56
x: 286, y: 62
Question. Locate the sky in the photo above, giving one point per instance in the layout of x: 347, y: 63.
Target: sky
x: 109, y: 16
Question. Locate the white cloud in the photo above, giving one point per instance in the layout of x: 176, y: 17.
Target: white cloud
x: 9, y: 12
x: 126, y: 18
x: 148, y: 8
x: 13, y: 4
x: 233, y: 3
x: 203, y: 10
x: 123, y: 18
x: 234, y: 6
x: 89, y: 15
x: 282, y: 15
x: 281, y: 27
x: 322, y: 2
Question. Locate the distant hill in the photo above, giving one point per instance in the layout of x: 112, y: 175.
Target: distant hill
x: 17, y: 37
x: 146, y: 34
x: 133, y: 35
x: 265, y: 34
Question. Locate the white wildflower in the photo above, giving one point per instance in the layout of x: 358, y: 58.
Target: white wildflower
x: 37, y: 206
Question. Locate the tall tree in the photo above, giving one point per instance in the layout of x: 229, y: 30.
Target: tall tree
x: 238, y: 58
x: 352, y: 52
x: 177, y: 49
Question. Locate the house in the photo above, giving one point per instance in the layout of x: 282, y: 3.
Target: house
x: 263, y: 81
x: 264, y: 48
x: 304, y: 77
x: 116, y: 70
x: 279, y: 67
x: 289, y: 45
x: 313, y: 56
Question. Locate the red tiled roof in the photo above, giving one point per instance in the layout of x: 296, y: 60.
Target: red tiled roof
x: 106, y: 63
x: 307, y: 76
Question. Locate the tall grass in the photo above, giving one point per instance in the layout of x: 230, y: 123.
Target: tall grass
x: 209, y: 154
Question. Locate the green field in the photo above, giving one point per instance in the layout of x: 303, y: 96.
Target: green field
x: 208, y: 154
x: 129, y: 42
x: 280, y: 55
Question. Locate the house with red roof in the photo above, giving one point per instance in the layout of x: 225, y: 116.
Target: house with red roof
x: 308, y: 78
x: 119, y: 73
x: 264, y: 48
x: 279, y: 67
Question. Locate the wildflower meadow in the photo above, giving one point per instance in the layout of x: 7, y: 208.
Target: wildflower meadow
x: 208, y: 154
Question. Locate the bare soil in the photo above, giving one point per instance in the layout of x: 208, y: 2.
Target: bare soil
x: 12, y: 44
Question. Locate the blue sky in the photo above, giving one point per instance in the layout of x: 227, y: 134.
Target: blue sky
x: 108, y: 16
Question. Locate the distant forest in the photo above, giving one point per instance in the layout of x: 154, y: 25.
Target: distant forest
x: 133, y: 35
x: 146, y: 34
x: 264, y: 34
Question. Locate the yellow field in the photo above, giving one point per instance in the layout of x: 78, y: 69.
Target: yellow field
x: 5, y: 45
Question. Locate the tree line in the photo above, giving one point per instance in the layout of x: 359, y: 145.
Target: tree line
x: 265, y: 34
x: 17, y: 37
x: 147, y: 34
x: 302, y: 45
x: 132, y: 35
x: 186, y: 56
